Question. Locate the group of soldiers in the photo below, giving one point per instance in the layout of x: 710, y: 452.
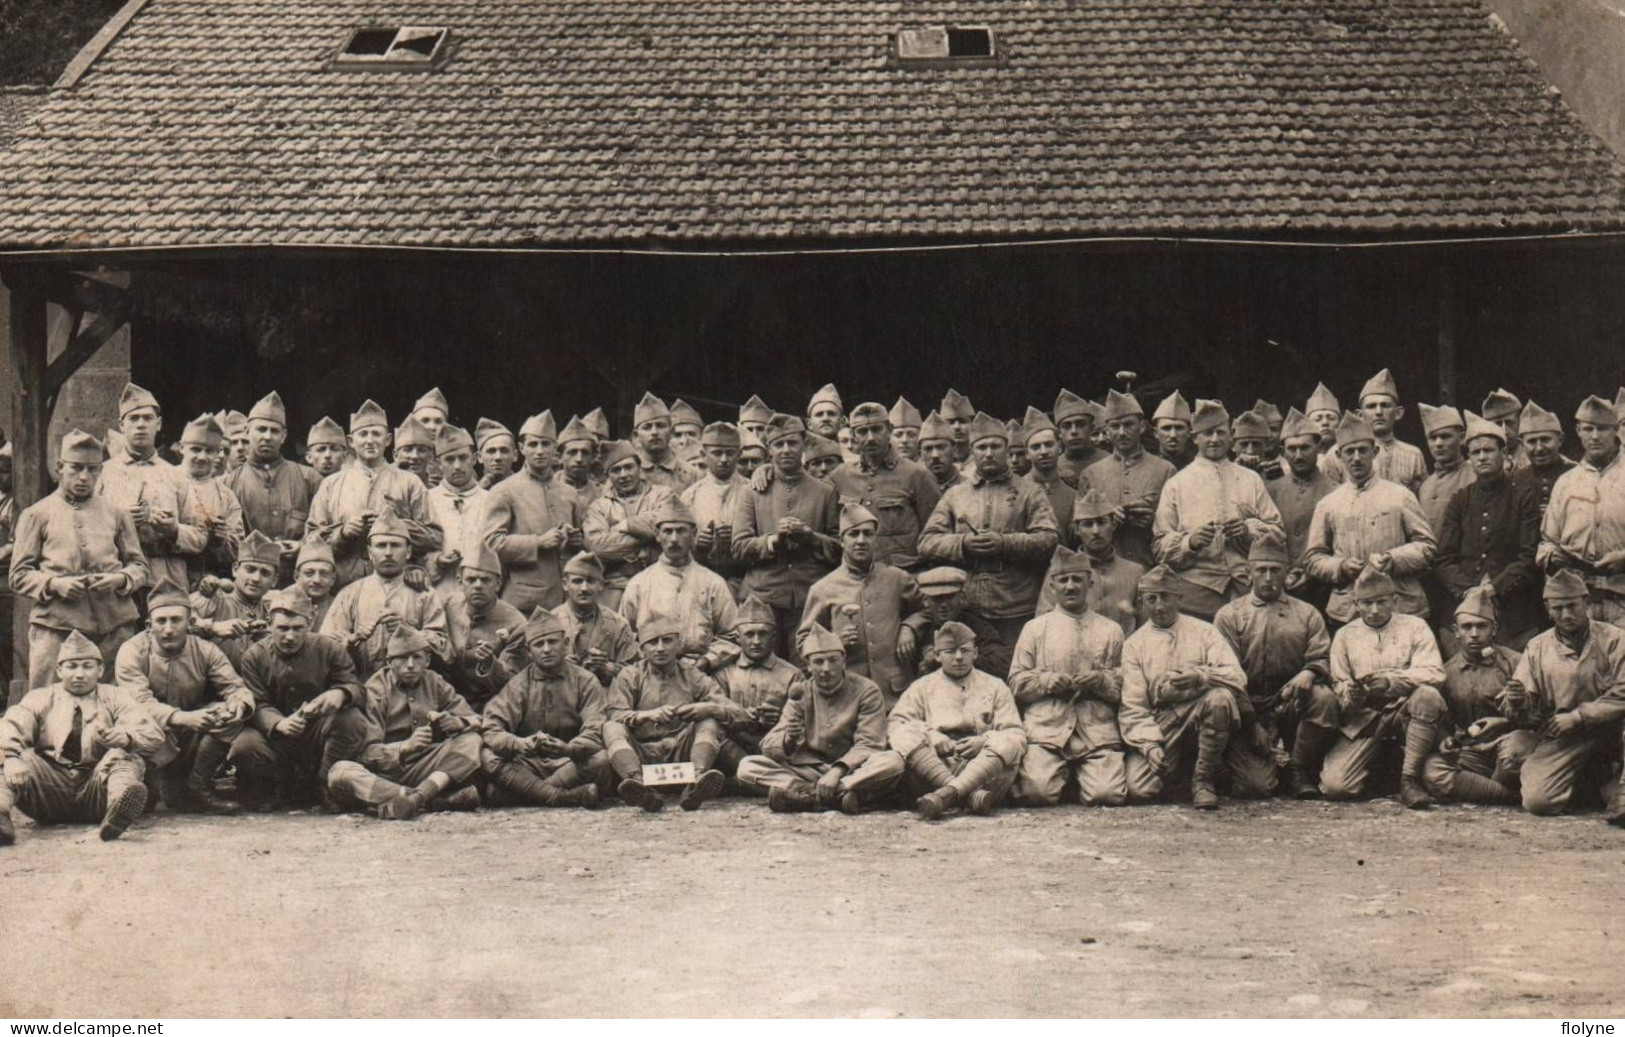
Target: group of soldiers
x: 855, y: 608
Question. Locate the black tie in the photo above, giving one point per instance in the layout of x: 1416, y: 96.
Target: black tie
x: 72, y: 750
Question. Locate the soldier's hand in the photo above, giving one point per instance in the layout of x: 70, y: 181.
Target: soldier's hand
x: 15, y: 770
x: 112, y: 737
x: 192, y: 720
x: 106, y: 582
x: 354, y: 528
x: 1350, y: 569
x: 1157, y: 759
x: 1354, y: 695
x: 141, y: 512
x: 552, y: 540
x: 831, y: 779
x: 1378, y: 685
x: 165, y: 520
x: 420, y: 739
x: 983, y: 543
x: 1382, y: 562
x: 329, y: 701
x: 908, y: 648
x: 415, y: 578
x: 762, y: 479
x: 1263, y: 741
x: 663, y: 715
x: 1235, y: 529
x: 967, y: 747
x: 446, y: 724
x: 1295, y: 689
x: 291, y: 727
x: 851, y: 637
x: 768, y: 714
x: 722, y: 533
x: 1514, y: 697
x: 1611, y: 562
x: 1091, y: 684
x: 390, y: 621
x: 1561, y: 724
x: 1204, y: 535
x: 484, y: 651
x: 1184, y: 680
x: 68, y: 588
x: 941, y: 744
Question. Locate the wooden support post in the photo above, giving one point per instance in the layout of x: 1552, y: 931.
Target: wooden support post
x: 1446, y: 299
x: 30, y: 425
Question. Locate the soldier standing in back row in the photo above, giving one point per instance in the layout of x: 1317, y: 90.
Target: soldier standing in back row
x: 1584, y: 525
x: 277, y: 495
x: 534, y: 524
x: 1131, y: 479
x: 149, y: 488
x: 1542, y: 437
x: 900, y: 493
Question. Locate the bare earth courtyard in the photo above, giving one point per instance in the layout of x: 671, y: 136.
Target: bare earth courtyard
x: 1275, y: 909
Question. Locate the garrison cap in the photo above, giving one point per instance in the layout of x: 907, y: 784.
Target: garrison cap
x: 203, y: 430
x: 904, y: 414
x: 658, y: 627
x: 1297, y: 424
x: 1173, y: 408
x: 650, y: 408
x: 1564, y: 584
x: 1479, y: 601
x: 673, y: 511
x: 618, y: 450
x: 387, y: 525
x: 368, y: 415
x: 783, y: 425
x: 1034, y: 422
x: 134, y: 398
x: 953, y: 634
x: 955, y: 405
x: 1268, y: 547
x: 542, y: 623
x: 270, y: 409
x: 827, y: 394
x: 235, y: 422
x: 1500, y: 404
x: 1268, y: 411
x: 1121, y: 405
x: 941, y: 581
x: 1535, y: 418
x: 486, y: 430
x: 1160, y: 579
x: 1092, y: 504
x: 1477, y: 426
x: 1017, y: 440
x: 854, y: 515
x: 1436, y: 418
x: 1380, y: 384
x: 935, y: 428
x: 1372, y: 583
x: 1594, y: 410
x: 413, y: 433
x: 167, y: 595
x: 314, y: 551
x: 542, y: 426
x: 749, y: 440
x: 482, y: 559
x: 868, y: 414
x: 576, y: 431
x: 1209, y: 414
x: 1250, y: 424
x: 1322, y: 399
x: 819, y: 641
x: 754, y: 612
x: 584, y: 563
x: 291, y: 600
x: 985, y: 426
x: 77, y: 646
x: 259, y: 548
x: 405, y: 640
x: 1354, y: 428
x: 1066, y: 560
x: 596, y: 420
x: 756, y: 411
x: 1070, y: 405
x: 325, y: 431
x: 685, y: 416
x: 820, y: 446
x: 434, y: 399
x: 722, y: 434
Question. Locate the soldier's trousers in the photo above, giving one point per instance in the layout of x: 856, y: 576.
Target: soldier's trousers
x: 1555, y: 767
x: 1416, y: 722
x: 1242, y: 771
x: 52, y: 793
x: 559, y: 771
x: 356, y: 786
x: 698, y: 742
x: 1489, y: 775
x: 45, y: 642
x: 873, y: 777
x: 1108, y: 777
x: 300, y: 763
x: 926, y: 772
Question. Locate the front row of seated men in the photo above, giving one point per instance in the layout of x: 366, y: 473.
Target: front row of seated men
x: 1179, y: 703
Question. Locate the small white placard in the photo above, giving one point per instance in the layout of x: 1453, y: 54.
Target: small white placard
x: 668, y: 774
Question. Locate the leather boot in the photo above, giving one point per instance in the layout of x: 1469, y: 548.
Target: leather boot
x: 1614, y: 813
x: 465, y: 798
x: 1420, y: 738
x: 1308, y: 750
x: 124, y: 806
x: 1467, y: 787
x: 211, y: 753
x: 798, y: 798
x: 404, y: 807
x: 1211, y: 741
x: 707, y: 786
x: 924, y: 763
x: 933, y: 805
x: 851, y: 804
x: 636, y: 793
x: 981, y: 802
x: 8, y: 831
x: 519, y: 782
x: 174, y: 792
x: 580, y: 796
x: 983, y: 769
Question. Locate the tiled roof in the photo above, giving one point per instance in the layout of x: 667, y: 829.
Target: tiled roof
x: 718, y: 122
x: 16, y: 105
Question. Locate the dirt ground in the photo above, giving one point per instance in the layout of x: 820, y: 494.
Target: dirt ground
x: 1273, y: 909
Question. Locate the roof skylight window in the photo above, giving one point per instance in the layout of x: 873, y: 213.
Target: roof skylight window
x: 393, y: 48
x: 946, y: 46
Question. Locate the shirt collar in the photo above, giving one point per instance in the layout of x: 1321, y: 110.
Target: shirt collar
x: 888, y: 461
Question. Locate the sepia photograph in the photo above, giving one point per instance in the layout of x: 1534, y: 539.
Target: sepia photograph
x: 630, y: 511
